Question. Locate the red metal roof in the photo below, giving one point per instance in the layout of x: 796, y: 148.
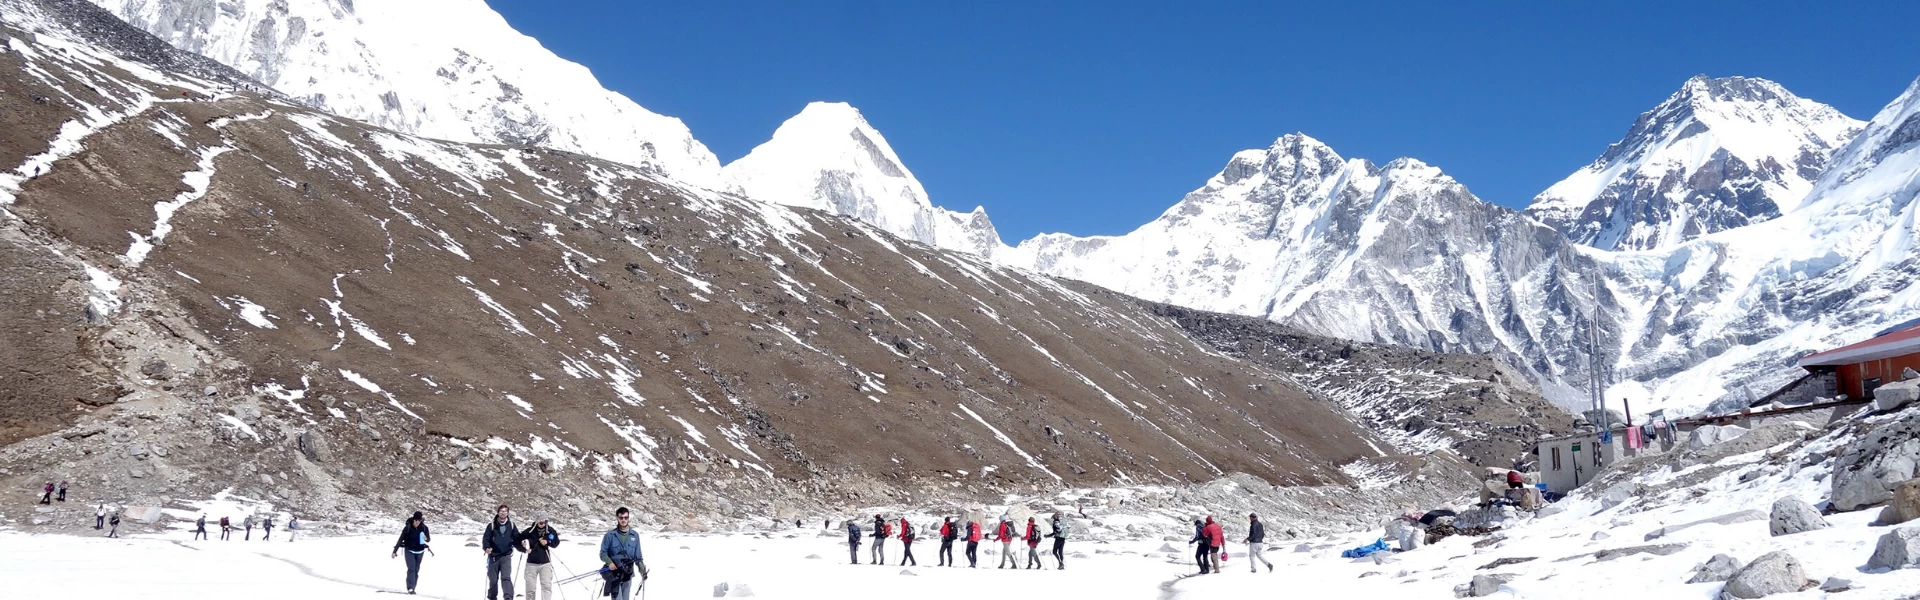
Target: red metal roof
x: 1904, y: 341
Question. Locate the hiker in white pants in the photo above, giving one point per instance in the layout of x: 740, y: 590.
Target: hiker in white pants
x: 1256, y: 544
x: 538, y: 574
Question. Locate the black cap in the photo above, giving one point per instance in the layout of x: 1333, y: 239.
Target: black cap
x: 417, y: 516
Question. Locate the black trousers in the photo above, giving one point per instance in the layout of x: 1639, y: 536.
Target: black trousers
x: 907, y: 547
x: 1060, y: 551
x: 413, y: 569
x: 946, y: 552
x: 1204, y: 556
x: 973, y: 559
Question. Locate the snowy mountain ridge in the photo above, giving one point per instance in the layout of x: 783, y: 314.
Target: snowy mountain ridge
x: 828, y: 158
x: 1718, y: 154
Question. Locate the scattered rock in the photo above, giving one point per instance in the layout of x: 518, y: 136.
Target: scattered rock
x: 1708, y: 435
x: 1726, y: 519
x: 909, y: 572
x: 1550, y: 510
x: 1867, y: 471
x: 1898, y: 549
x: 1600, y: 535
x: 1655, y: 549
x: 720, y: 590
x: 1908, y: 374
x: 1487, y: 585
x: 314, y: 446
x: 1506, y: 561
x: 1905, y: 505
x: 1894, y: 395
x: 137, y: 451
x: 137, y: 473
x: 1719, y: 568
x: 1170, y: 548
x: 1772, y: 573
x: 1835, y: 585
x: 1792, y: 515
x: 211, y: 391
x: 1303, y: 548
x: 1618, y: 494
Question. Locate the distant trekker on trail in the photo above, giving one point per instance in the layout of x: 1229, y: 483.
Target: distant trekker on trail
x: 113, y: 524
x: 293, y: 528
x: 100, y: 517
x: 906, y: 543
x: 1033, y: 544
x: 200, y: 528
x: 62, y: 491
x: 414, y: 539
x: 973, y: 544
x: 1217, y: 537
x: 47, y: 498
x: 853, y: 541
x: 1004, y: 532
x: 879, y: 541
x: 249, y: 522
x: 498, y: 541
x: 947, y: 534
x: 1059, y: 535
x: 540, y: 539
x: 1514, y: 481
x: 1256, y: 543
x: 266, y: 525
x: 620, y: 553
x: 226, y: 528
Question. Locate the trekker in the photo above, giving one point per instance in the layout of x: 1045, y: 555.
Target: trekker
x: 293, y: 528
x: 113, y: 524
x: 879, y: 541
x: 1217, y: 537
x: 62, y: 491
x: 1256, y: 543
x: 1059, y: 535
x: 200, y: 528
x: 1203, y: 554
x: 853, y: 542
x: 1514, y: 481
x: 249, y: 522
x: 947, y: 534
x: 498, y: 542
x: 973, y: 544
x: 100, y: 517
x: 540, y: 539
x: 620, y: 553
x: 226, y: 528
x: 266, y: 526
x: 906, y: 543
x: 414, y: 539
x: 47, y: 498
x: 1033, y: 544
x: 1004, y: 532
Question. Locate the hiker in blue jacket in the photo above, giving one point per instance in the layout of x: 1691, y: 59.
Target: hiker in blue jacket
x: 853, y: 542
x: 620, y: 555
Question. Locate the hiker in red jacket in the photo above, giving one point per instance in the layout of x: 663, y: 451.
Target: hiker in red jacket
x: 973, y: 544
x: 948, y: 532
x: 906, y: 543
x: 1217, y: 537
x: 1033, y: 544
x: 1006, y: 533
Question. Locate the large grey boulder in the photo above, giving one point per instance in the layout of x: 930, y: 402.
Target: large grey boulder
x: 1905, y: 505
x: 1772, y: 573
x: 1792, y: 515
x: 1894, y: 395
x: 1487, y: 585
x: 1719, y: 568
x: 1708, y: 435
x: 314, y: 446
x: 1898, y: 549
x: 1866, y: 472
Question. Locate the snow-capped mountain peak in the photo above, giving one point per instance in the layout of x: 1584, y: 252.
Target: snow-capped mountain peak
x: 829, y: 158
x: 1717, y: 154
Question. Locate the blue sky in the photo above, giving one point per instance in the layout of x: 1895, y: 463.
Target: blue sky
x: 1093, y: 118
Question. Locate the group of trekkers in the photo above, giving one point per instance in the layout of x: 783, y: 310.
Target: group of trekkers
x: 226, y: 527
x: 620, y: 558
x: 1006, y: 532
x: 1210, y: 539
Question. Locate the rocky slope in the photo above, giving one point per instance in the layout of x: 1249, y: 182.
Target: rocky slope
x: 228, y: 292
x: 1719, y: 154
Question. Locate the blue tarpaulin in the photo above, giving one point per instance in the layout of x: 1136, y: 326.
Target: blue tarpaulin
x: 1378, y: 545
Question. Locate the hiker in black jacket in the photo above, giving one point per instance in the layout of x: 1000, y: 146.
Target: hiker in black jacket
x: 499, y: 541
x: 879, y: 540
x: 1204, y: 553
x: 414, y: 539
x: 540, y: 538
x: 853, y: 542
x: 1257, y: 543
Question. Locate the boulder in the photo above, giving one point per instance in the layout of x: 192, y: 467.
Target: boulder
x: 314, y: 446
x: 1894, y: 395
x: 1868, y: 469
x: 1487, y: 585
x: 1726, y: 519
x: 1792, y: 515
x: 1905, y: 505
x: 1719, y: 568
x: 1835, y: 585
x: 1551, y: 510
x: 143, y: 514
x: 1772, y: 573
x: 1617, y: 495
x: 1898, y: 549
